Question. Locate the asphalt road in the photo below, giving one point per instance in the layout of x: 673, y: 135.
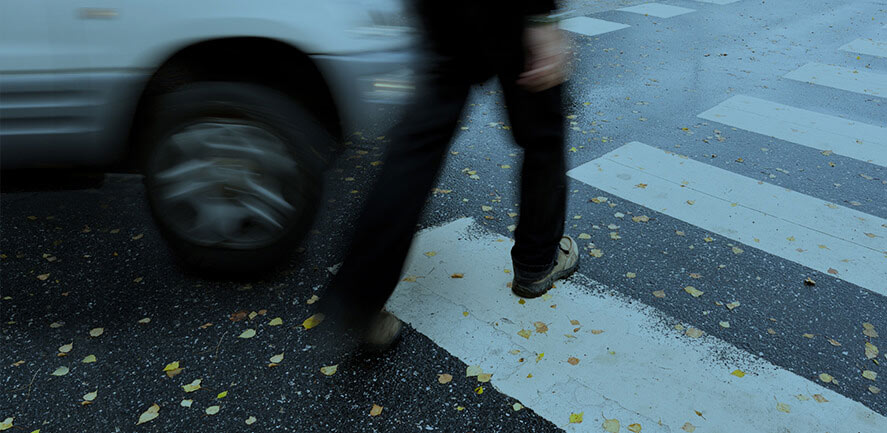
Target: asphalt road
x: 80, y: 251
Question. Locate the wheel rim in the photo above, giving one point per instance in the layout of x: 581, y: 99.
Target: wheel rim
x: 226, y: 183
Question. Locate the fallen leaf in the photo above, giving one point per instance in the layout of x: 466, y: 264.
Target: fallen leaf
x: 66, y: 348
x: 248, y: 333
x: 277, y: 359
x: 584, y: 236
x: 174, y: 373
x: 596, y: 253
x: 611, y: 425
x: 186, y: 403
x: 834, y: 342
x: 148, y: 415
x: 312, y: 299
x: 833, y: 271
x: 329, y: 370
x: 694, y: 333
x: 473, y: 370
x: 802, y: 397
x: 630, y: 275
x: 145, y: 320
x: 693, y: 291
x: 737, y: 250
x: 525, y: 332
x: 634, y: 428
x: 313, y: 321
x: 193, y: 386
x: 825, y: 377
x: 484, y: 377
x: 479, y: 390
x: 874, y: 389
x: 250, y: 420
x: 640, y: 219
x: 573, y: 361
x: 444, y: 378
x: 88, y: 359
x: 138, y: 236
x: 733, y: 305
x: 808, y: 335
x: 659, y: 293
x: 724, y: 324
x: 431, y: 253
x: 690, y: 428
x: 871, y: 351
x: 222, y: 394
x: 457, y: 275
x: 540, y: 356
x: 6, y: 424
x: 597, y: 331
x: 541, y: 327
x: 212, y: 410
x: 517, y: 407
x: 708, y: 239
x: 782, y: 407
x: 738, y: 373
x: 95, y: 332
x: 376, y: 410
x: 61, y: 371
x: 695, y: 276
x: 42, y: 277
x: 819, y: 398
x: 576, y: 418
x: 809, y: 282
x: 870, y: 375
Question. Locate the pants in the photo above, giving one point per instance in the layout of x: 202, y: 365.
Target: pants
x: 384, y: 231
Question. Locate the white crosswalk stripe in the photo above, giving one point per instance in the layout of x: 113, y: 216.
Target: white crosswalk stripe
x: 817, y: 234
x: 590, y: 26
x: 867, y: 46
x: 657, y: 10
x: 808, y: 128
x: 853, y: 80
x: 638, y: 370
x: 718, y: 2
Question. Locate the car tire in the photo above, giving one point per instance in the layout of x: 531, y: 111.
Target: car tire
x: 233, y: 174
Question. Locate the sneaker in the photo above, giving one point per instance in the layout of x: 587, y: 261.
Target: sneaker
x: 382, y: 332
x: 567, y: 263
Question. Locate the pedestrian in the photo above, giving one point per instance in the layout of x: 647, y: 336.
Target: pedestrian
x: 469, y: 41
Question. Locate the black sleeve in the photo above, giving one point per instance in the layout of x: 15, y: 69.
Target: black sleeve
x: 539, y: 7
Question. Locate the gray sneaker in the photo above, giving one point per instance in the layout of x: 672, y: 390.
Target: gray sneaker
x: 567, y: 263
x: 382, y: 332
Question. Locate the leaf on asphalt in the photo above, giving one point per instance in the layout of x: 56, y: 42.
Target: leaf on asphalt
x: 250, y: 420
x: 277, y: 359
x: 584, y: 236
x: 825, y: 377
x: 444, y: 378
x: 630, y: 275
x: 66, y: 348
x: 724, y: 324
x: 640, y: 219
x: 834, y: 342
x: 611, y: 425
x: 55, y: 325
x: 572, y: 360
x: 541, y: 327
x: 525, y: 332
x: 186, y: 403
x: 809, y: 282
x: 145, y: 320
x: 693, y: 291
x: 833, y: 271
x: 222, y: 394
x: 634, y: 428
x: 313, y: 321
x: 148, y: 415
x: 193, y: 386
x: 737, y: 250
x: 42, y: 277
x: 329, y: 370
x: 61, y: 371
x: 599, y: 200
x: 874, y: 389
x: 679, y: 232
x: 596, y: 253
x: 659, y: 293
x: 212, y: 410
x: 576, y: 418
x: 95, y: 332
x: 486, y: 208
x: 473, y: 370
x: 694, y: 333
x: 870, y: 375
x: 782, y: 407
x: 808, y: 335
x: 733, y: 305
x: 484, y: 377
x: 517, y: 407
x: 738, y: 373
x: 708, y: 239
x: 869, y: 330
x: 615, y: 236
x: 90, y: 396
x: 138, y: 236
x: 871, y: 351
x: 248, y: 333
x: 376, y: 410
x: 6, y: 424
x: 89, y: 359
x: 689, y: 428
x: 171, y: 366
x: 479, y: 390
x: 312, y: 299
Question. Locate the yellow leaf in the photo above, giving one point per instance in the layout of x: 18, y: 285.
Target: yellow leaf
x: 871, y: 351
x: 738, y: 373
x: 66, y: 348
x: 611, y: 425
x: 431, y: 253
x: 693, y: 291
x: 95, y: 332
x: 250, y: 420
x: 485, y: 209
x: 540, y: 356
x: 145, y: 320
x: 576, y: 418
x: 782, y: 407
x: 90, y: 396
x: 630, y: 275
x: 171, y: 366
x: 737, y: 250
x: 42, y: 277
x: 825, y: 377
x: 312, y: 299
x: 186, y: 403
x: 222, y: 394
x: 694, y: 333
x: 313, y: 321
x: 634, y: 428
x: 193, y: 386
x: 277, y: 321
x: 277, y: 359
x: 819, y: 398
x: 524, y: 332
x: 473, y: 370
x: 212, y: 410
x: 89, y: 359
x: 6, y: 424
x: 444, y: 378
x: 690, y: 428
x: 479, y: 390
x: 376, y: 410
x: 148, y: 415
x: 659, y: 293
x: 640, y: 219
x: 517, y: 407
x: 329, y: 370
x: 541, y: 327
x: 484, y: 377
x: 248, y: 333
x: 870, y: 375
x: 61, y: 371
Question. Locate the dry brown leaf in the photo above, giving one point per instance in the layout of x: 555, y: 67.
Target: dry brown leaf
x: 541, y: 327
x: 376, y: 410
x: 444, y: 378
x: 573, y: 361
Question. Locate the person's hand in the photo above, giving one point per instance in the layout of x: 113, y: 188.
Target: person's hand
x: 545, y: 48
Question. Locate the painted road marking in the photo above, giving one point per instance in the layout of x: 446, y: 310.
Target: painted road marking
x: 867, y: 46
x: 718, y: 2
x: 590, y: 26
x: 808, y: 128
x: 854, y: 80
x: 657, y: 10
x: 846, y: 243
x: 638, y: 370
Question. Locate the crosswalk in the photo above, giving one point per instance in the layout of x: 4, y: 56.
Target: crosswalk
x: 586, y: 351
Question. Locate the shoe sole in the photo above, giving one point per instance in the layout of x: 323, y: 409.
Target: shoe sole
x: 528, y: 292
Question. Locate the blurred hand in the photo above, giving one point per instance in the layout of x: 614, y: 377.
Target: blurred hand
x: 545, y: 68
